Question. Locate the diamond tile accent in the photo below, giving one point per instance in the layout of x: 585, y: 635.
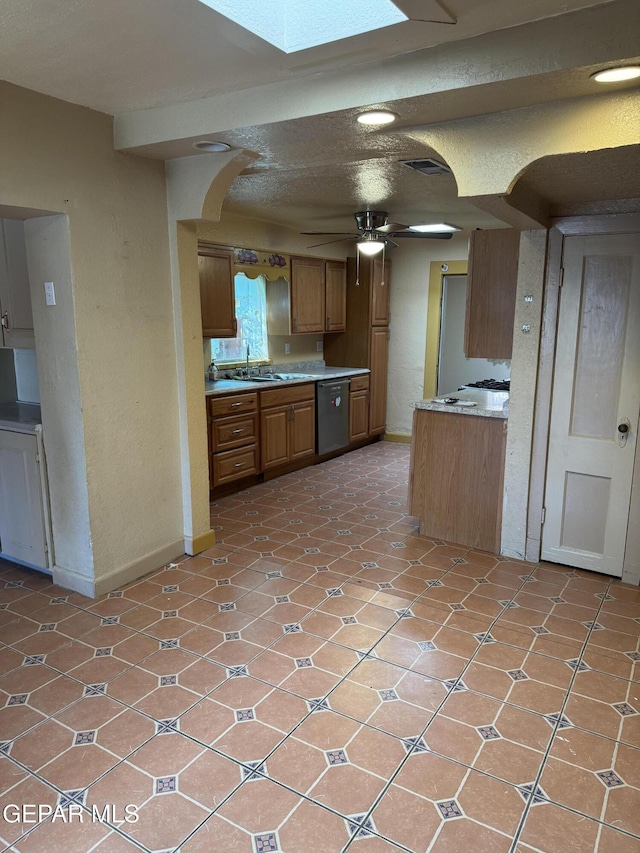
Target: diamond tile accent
x: 489, y: 733
x: 517, y: 674
x: 82, y: 738
x: 266, y: 842
x: 458, y: 561
x: 166, y: 727
x: 552, y: 719
x: 416, y: 744
x: 30, y: 660
x: 532, y: 792
x: 245, y: 714
x: 224, y: 607
x: 610, y: 779
x: 449, y: 809
x: 166, y: 680
x: 117, y: 594
x: 349, y: 620
x: 322, y: 568
x: 253, y: 771
x: 557, y: 599
x: 223, y: 582
x: 103, y: 652
x: 604, y: 596
x: 165, y: 785
x: 312, y: 550
x: 485, y: 638
x: 110, y: 620
x: 236, y: 671
x: 369, y: 565
x: 77, y: 796
x: 427, y: 646
x: 481, y: 580
x: 61, y: 599
x: 404, y: 614
x: 388, y: 695
x: 455, y: 685
x: 5, y: 746
x: 232, y: 635
x: 169, y: 614
x: 318, y: 704
x: 508, y: 603
x: 301, y: 663
x: 356, y: 828
x: 169, y: 644
x: 170, y: 588
x: 635, y: 656
x: 385, y: 586
x: 334, y: 593
x: 13, y: 584
x: 578, y: 665
x: 397, y: 544
x: 292, y: 628
x: 457, y: 607
x: 271, y: 575
x: 595, y: 626
x: 282, y: 599
x: 18, y: 699
x: 540, y: 629
x: 336, y: 756
x: 625, y: 709
x: 50, y: 626
x: 220, y: 561
x: 95, y: 690
x: 434, y: 583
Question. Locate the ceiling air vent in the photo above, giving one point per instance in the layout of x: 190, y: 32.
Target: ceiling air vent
x: 428, y: 166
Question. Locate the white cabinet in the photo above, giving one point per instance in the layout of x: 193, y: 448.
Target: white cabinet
x: 23, y: 509
x: 16, y: 329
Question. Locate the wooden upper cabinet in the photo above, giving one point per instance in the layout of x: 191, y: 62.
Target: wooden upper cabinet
x: 380, y: 277
x: 491, y: 293
x: 217, y: 295
x: 307, y: 295
x: 336, y: 296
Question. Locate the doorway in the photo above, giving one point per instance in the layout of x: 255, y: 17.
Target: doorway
x: 595, y: 404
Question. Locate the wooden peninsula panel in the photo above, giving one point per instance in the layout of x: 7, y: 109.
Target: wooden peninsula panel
x: 456, y: 477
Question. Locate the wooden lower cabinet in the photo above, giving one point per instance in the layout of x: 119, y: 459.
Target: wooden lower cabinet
x: 378, y: 359
x: 359, y: 409
x: 456, y: 477
x: 233, y: 438
x: 274, y: 437
x: 287, y: 424
x: 235, y: 464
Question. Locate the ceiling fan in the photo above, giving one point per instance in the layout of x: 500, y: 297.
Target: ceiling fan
x: 375, y: 232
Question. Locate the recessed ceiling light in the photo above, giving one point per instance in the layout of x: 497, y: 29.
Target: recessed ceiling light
x: 434, y: 228
x: 211, y: 146
x: 617, y: 75
x: 377, y: 117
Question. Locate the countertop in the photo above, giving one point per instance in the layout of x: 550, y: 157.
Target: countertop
x: 319, y: 374
x: 488, y: 403
x: 19, y: 417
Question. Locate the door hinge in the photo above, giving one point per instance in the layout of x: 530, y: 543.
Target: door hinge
x: 543, y: 515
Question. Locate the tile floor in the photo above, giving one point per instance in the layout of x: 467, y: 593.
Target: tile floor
x: 324, y: 679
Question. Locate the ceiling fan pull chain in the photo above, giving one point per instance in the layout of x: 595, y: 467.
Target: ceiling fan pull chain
x: 384, y: 248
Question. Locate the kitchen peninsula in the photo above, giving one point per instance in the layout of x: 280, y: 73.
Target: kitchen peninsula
x: 457, y: 468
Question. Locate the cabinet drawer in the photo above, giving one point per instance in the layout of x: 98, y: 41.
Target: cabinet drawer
x: 227, y: 433
x: 359, y: 383
x: 233, y: 404
x: 286, y: 395
x: 234, y: 464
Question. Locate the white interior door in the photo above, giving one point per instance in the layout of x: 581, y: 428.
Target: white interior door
x: 596, y: 395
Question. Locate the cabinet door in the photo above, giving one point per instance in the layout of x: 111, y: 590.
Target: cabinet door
x: 22, y: 534
x: 379, y: 352
x: 274, y: 436
x: 15, y: 294
x: 336, y: 289
x: 358, y: 415
x: 307, y: 295
x: 217, y: 296
x: 491, y: 293
x: 380, y: 277
x: 303, y: 430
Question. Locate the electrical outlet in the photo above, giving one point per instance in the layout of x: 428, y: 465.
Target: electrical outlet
x: 287, y: 349
x: 319, y: 346
x: 49, y: 293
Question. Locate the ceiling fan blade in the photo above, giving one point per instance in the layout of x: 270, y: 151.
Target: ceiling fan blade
x: 421, y: 235
x: 329, y: 233
x: 390, y: 228
x: 339, y: 240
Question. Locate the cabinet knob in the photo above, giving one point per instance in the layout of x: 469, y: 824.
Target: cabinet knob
x: 5, y: 320
x: 238, y: 464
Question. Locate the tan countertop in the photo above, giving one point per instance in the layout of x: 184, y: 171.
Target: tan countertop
x: 319, y: 374
x: 488, y: 404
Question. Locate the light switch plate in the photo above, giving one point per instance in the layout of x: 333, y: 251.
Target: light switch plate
x: 49, y: 293
x: 287, y: 349
x: 319, y: 346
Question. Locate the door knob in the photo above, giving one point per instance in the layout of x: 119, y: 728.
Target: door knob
x: 623, y: 432
x: 623, y: 428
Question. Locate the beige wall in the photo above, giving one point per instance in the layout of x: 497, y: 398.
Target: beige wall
x: 409, y: 294
x: 108, y: 367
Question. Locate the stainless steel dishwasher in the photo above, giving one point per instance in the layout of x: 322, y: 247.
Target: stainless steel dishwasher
x: 332, y: 415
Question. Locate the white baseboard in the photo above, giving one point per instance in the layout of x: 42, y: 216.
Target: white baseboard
x: 93, y: 588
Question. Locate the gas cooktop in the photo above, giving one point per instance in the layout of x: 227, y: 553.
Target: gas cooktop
x: 490, y: 384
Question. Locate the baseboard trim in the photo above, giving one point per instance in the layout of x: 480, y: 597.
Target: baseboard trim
x: 196, y: 544
x: 399, y: 437
x: 93, y: 588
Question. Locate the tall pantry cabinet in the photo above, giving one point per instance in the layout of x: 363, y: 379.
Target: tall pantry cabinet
x: 365, y: 343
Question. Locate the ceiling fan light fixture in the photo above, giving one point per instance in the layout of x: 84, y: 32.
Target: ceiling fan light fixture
x: 211, y: 146
x: 435, y: 228
x: 617, y: 74
x: 369, y: 244
x: 372, y: 117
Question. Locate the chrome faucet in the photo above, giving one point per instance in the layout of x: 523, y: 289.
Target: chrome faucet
x: 248, y: 368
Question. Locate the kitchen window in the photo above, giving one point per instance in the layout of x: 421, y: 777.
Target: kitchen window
x: 251, y: 314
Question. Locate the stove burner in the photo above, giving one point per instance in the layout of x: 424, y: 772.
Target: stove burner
x: 490, y: 384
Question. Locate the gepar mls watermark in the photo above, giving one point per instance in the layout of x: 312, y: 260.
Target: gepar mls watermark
x: 29, y: 813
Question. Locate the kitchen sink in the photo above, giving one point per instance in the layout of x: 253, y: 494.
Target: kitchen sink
x: 274, y: 377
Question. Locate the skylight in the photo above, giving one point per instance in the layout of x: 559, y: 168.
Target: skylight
x: 291, y: 25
